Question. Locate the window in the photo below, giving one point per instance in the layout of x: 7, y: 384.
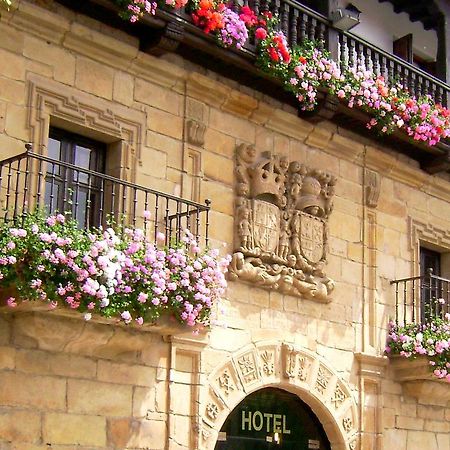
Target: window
x: 403, y: 48
x: 432, y: 287
x: 70, y: 184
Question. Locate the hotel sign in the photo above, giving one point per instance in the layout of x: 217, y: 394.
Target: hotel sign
x: 263, y: 421
x: 272, y: 419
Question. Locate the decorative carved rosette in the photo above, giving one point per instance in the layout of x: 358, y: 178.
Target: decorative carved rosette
x: 281, y: 231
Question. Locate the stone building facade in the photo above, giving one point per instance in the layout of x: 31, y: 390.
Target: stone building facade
x: 180, y: 128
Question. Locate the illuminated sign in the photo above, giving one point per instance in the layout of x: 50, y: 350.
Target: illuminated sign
x: 270, y: 423
x: 272, y: 419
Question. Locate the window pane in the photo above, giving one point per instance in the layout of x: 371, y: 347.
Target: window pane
x: 82, y: 159
x: 54, y: 152
x: 51, y: 196
x: 80, y: 208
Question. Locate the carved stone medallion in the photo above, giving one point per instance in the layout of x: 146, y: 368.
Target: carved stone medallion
x: 311, y: 238
x: 266, y: 225
x: 281, y: 232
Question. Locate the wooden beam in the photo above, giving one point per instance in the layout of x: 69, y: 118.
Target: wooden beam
x: 438, y: 164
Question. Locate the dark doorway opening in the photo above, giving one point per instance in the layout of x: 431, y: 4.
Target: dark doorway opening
x: 272, y: 419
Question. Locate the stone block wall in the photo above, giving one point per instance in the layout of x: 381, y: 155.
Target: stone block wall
x: 175, y: 127
x: 66, y: 384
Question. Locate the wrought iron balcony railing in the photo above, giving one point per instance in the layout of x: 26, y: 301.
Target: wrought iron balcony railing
x: 29, y: 181
x: 422, y: 298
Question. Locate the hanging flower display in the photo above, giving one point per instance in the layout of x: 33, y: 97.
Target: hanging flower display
x: 304, y: 69
x: 430, y: 340
x: 110, y: 272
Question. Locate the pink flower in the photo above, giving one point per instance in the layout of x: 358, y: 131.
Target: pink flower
x: 147, y: 215
x: 11, y: 302
x: 139, y: 320
x: 260, y: 33
x: 126, y: 316
x: 51, y: 221
x: 142, y: 297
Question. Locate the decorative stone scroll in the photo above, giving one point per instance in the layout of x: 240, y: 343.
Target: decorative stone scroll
x: 281, y: 231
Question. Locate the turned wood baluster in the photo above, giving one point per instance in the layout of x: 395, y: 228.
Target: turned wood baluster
x: 294, y: 24
x: 276, y: 9
x: 256, y: 6
x: 303, y: 20
x: 312, y: 29
x: 384, y: 69
x: 390, y: 65
x: 369, y: 61
x: 376, y: 64
x: 426, y: 90
x: 352, y: 57
x: 412, y: 84
x: 419, y: 83
x: 343, y: 51
x: 321, y: 36
x: 433, y: 90
x: 360, y: 56
x: 440, y: 98
x: 406, y: 78
x: 265, y: 5
x: 285, y: 21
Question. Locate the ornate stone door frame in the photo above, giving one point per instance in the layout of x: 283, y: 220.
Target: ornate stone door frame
x: 281, y: 365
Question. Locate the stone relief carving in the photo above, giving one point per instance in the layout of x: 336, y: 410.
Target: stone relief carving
x: 282, y: 364
x: 281, y: 232
x: 323, y: 378
x: 268, y: 363
x: 226, y: 382
x: 338, y: 397
x: 372, y: 187
x: 195, y: 132
x: 247, y: 367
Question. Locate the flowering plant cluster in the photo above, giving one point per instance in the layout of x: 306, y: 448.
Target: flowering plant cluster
x: 392, y: 107
x: 305, y: 69
x: 311, y: 70
x: 133, y: 10
x: 234, y: 31
x: 431, y: 339
x: 114, y: 273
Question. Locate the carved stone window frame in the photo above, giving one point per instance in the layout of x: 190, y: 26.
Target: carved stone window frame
x: 121, y: 128
x: 423, y: 234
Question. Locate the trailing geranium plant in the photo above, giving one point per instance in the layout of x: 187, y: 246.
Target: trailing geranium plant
x: 112, y: 272
x: 431, y: 340
x: 304, y: 69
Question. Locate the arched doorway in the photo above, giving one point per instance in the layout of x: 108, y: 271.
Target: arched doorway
x: 274, y: 419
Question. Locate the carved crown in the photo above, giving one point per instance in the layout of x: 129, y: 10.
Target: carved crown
x: 267, y: 177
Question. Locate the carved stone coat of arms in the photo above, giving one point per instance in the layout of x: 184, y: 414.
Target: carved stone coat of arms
x: 281, y: 232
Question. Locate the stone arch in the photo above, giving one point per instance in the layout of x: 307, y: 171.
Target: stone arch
x: 285, y: 366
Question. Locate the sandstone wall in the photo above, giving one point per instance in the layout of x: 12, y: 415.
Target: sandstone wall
x: 145, y: 109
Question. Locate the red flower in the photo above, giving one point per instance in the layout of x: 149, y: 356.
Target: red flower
x: 302, y: 60
x: 273, y: 54
x: 248, y: 17
x: 260, y: 33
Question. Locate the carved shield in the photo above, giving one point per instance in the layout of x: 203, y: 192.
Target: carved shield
x: 311, y: 237
x: 266, y: 225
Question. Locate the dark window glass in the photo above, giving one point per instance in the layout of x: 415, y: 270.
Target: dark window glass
x: 431, y: 289
x: 71, y: 185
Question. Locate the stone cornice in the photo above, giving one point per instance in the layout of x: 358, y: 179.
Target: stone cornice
x: 371, y: 366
